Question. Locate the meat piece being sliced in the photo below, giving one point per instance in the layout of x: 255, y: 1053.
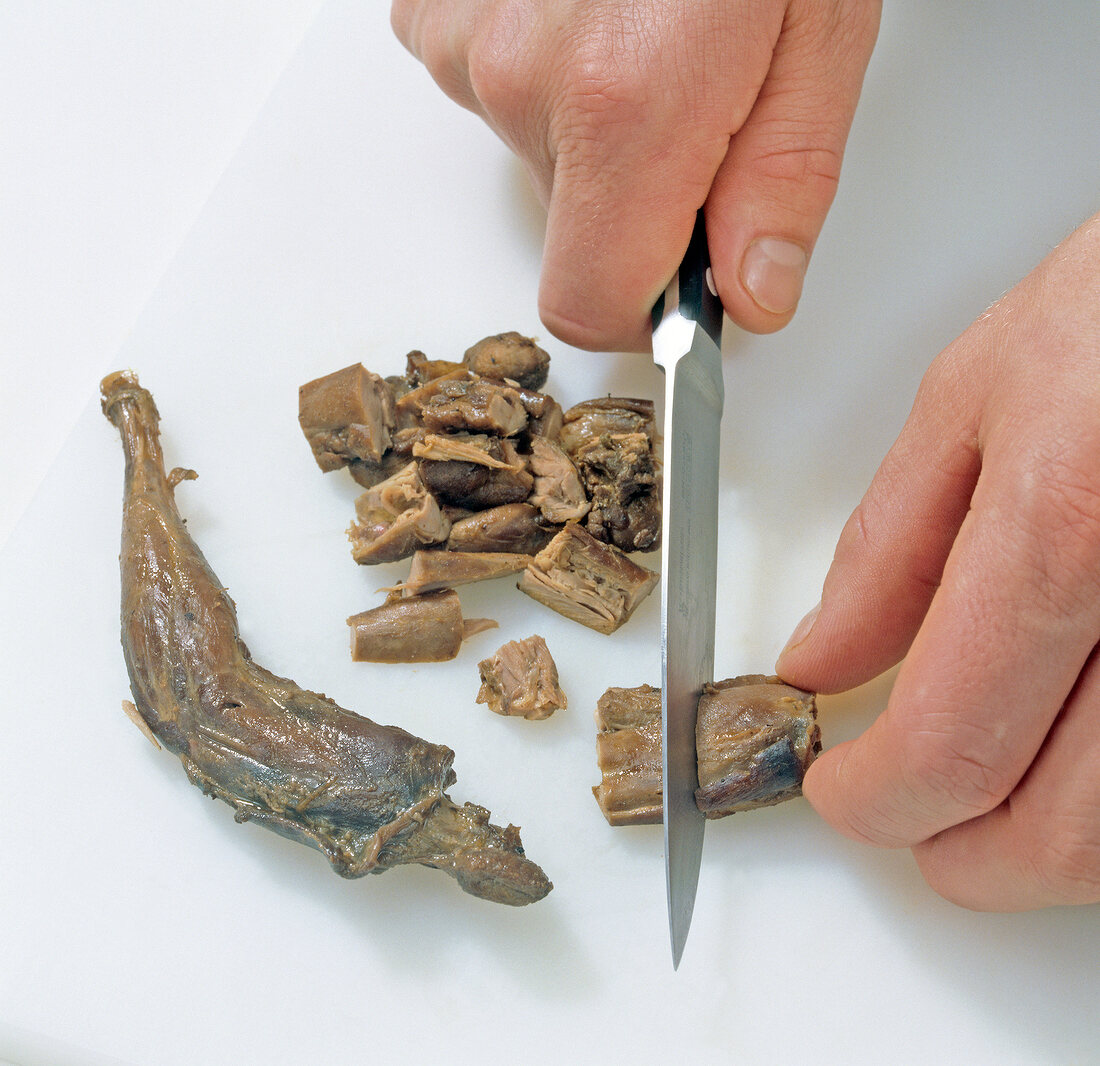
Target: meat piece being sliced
x: 591, y: 419
x: 346, y: 416
x: 514, y: 527
x: 432, y: 570
x: 628, y: 751
x: 620, y: 477
x: 497, y: 475
x: 396, y: 517
x: 477, y: 406
x: 428, y: 628
x: 586, y: 580
x: 509, y: 356
x: 368, y: 796
x: 755, y: 737
x: 521, y: 679
x: 557, y: 491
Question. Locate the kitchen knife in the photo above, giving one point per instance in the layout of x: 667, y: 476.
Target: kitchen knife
x: 687, y: 345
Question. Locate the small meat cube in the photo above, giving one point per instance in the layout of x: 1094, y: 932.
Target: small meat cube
x: 396, y: 517
x: 418, y: 629
x: 477, y: 406
x: 586, y: 580
x: 521, y: 679
x: 558, y: 492
x: 628, y: 751
x: 346, y: 416
x: 509, y: 356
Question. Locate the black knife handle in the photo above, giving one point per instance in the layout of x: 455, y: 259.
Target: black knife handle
x: 691, y: 288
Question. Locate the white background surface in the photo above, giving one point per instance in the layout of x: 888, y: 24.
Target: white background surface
x: 235, y: 197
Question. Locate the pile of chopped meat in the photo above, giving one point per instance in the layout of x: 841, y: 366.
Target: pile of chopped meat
x: 473, y: 472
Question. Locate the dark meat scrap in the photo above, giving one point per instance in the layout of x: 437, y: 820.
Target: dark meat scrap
x: 432, y: 570
x: 586, y: 580
x: 628, y: 751
x: 346, y: 416
x: 509, y: 356
x: 368, y: 473
x: 496, y: 476
x: 755, y: 738
x: 478, y: 406
x: 428, y: 628
x: 557, y: 492
x: 612, y: 441
x: 396, y: 517
x: 369, y: 797
x: 521, y: 679
x: 513, y: 527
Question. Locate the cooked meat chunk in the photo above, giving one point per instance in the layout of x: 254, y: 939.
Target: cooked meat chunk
x: 628, y: 751
x: 521, y: 679
x: 592, y: 419
x: 558, y: 492
x: 417, y: 629
x: 515, y: 527
x: 755, y: 737
x: 477, y: 448
x: 544, y: 413
x: 346, y: 416
x: 419, y: 369
x: 612, y: 442
x: 368, y: 796
x: 368, y: 473
x: 396, y: 517
x: 586, y: 580
x: 477, y: 484
x: 477, y: 406
x: 509, y: 356
x: 432, y: 570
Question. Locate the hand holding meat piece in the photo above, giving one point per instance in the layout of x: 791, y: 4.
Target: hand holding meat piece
x: 368, y: 796
x: 521, y: 679
x: 755, y: 737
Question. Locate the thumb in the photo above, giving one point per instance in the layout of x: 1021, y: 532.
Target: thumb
x: 770, y: 195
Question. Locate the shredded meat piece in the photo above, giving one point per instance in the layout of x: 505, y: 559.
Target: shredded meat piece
x: 428, y: 628
x: 755, y: 737
x: 346, y: 416
x: 586, y: 580
x: 396, y: 517
x: 521, y: 679
x: 557, y: 491
x: 368, y: 796
x: 432, y: 570
x: 509, y: 356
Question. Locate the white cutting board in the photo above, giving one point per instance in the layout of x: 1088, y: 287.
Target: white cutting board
x: 364, y: 215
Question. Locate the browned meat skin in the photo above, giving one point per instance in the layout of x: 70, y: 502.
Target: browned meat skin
x: 428, y: 628
x: 396, y: 517
x: 433, y: 570
x: 477, y: 484
x: 755, y: 738
x: 478, y: 406
x: 368, y: 796
x: 346, y: 416
x: 586, y: 580
x: 509, y: 356
x: 521, y: 679
x: 514, y: 527
x: 628, y: 751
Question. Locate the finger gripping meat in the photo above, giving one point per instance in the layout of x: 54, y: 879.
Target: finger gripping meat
x: 368, y: 796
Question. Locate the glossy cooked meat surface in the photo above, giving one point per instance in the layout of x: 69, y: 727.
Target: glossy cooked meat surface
x: 366, y: 795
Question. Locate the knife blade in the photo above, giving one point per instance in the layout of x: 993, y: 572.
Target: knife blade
x: 687, y: 345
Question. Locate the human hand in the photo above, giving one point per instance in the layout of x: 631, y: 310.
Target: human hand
x: 630, y: 114
x: 976, y: 555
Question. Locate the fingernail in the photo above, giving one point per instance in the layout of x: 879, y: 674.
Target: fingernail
x: 801, y: 631
x: 772, y: 271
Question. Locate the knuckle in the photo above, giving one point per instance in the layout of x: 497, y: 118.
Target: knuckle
x: 1065, y: 858
x: 959, y: 767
